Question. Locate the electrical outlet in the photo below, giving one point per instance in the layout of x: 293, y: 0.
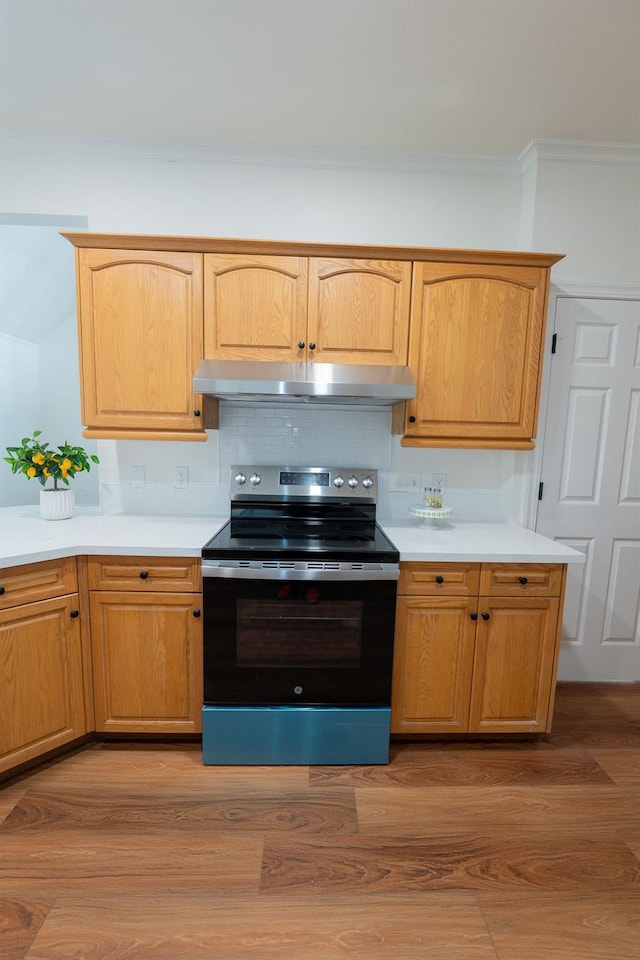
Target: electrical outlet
x: 137, y: 476
x: 438, y: 482
x: 181, y: 478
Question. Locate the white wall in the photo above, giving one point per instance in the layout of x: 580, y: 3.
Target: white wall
x: 19, y: 410
x: 39, y: 383
x: 590, y: 210
x: 126, y: 195
x: 587, y: 210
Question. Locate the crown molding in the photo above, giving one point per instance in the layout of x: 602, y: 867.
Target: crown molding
x: 169, y: 151
x: 579, y: 151
x: 311, y: 157
x: 581, y: 289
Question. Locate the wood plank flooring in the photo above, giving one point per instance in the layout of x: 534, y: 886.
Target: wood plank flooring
x: 454, y: 851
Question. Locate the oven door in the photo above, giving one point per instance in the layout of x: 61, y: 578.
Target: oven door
x: 279, y: 637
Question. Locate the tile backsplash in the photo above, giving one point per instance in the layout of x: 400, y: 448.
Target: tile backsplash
x: 480, y: 483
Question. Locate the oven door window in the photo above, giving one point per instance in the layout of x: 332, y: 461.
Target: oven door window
x: 288, y: 642
x: 300, y: 628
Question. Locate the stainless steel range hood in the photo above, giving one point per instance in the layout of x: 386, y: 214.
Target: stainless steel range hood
x: 270, y: 381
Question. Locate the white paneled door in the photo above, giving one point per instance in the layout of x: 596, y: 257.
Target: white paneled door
x: 591, y: 476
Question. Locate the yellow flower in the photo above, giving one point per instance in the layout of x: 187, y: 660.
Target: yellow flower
x: 77, y: 466
x: 46, y: 473
x: 38, y: 458
x: 66, y: 463
x: 31, y: 472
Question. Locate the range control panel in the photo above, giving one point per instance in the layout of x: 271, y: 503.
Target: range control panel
x: 358, y: 483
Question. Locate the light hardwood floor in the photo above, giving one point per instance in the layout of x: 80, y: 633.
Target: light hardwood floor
x: 455, y: 851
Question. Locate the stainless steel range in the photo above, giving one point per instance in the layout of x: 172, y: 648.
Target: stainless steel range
x: 299, y: 609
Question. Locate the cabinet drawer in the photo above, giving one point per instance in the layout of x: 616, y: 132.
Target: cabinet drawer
x: 521, y: 579
x: 438, y: 579
x: 37, y: 581
x: 151, y: 574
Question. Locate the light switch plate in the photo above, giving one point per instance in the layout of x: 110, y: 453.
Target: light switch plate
x: 137, y: 476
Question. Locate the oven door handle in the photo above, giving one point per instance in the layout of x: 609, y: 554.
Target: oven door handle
x: 377, y: 571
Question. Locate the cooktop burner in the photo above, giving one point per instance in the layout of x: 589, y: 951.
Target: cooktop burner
x: 373, y: 545
x: 292, y: 512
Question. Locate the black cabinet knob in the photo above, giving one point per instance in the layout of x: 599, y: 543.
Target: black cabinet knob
x: 412, y: 419
x: 439, y: 579
x: 74, y: 614
x: 312, y: 346
x: 1, y: 591
x: 196, y: 613
x: 523, y: 580
x: 196, y: 413
x: 301, y: 344
x: 144, y: 574
x: 474, y: 616
x: 486, y: 616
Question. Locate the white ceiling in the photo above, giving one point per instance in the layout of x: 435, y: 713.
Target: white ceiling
x: 480, y: 77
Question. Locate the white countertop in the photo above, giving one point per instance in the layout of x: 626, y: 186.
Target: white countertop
x: 448, y: 540
x: 25, y: 538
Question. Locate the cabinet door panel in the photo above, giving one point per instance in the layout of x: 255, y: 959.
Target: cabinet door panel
x: 141, y: 338
x: 521, y: 579
x: 514, y: 667
x: 476, y: 337
x: 42, y: 702
x: 433, y: 661
x: 255, y: 307
x: 147, y: 652
x: 359, y: 310
x: 438, y: 579
x: 37, y: 581
x: 145, y: 573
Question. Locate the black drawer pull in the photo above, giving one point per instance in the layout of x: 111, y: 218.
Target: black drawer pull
x: 412, y: 419
x: 196, y: 413
x: 485, y: 616
x: 300, y: 344
x: 1, y: 591
x: 74, y: 614
x: 144, y: 574
x: 439, y: 579
x: 523, y: 580
x: 312, y: 346
x: 474, y: 616
x: 196, y: 613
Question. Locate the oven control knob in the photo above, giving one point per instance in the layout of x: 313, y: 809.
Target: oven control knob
x: 338, y: 481
x: 367, y: 483
x: 353, y: 482
x: 255, y: 479
x: 240, y: 479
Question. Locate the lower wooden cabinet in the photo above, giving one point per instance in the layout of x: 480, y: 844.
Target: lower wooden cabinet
x: 469, y: 660
x: 146, y: 645
x: 42, y: 704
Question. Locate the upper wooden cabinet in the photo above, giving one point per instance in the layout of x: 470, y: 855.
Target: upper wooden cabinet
x: 255, y: 307
x: 477, y: 333
x: 329, y: 310
x: 140, y: 325
x: 470, y: 323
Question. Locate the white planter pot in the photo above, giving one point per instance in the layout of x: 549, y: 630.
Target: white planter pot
x: 57, y: 504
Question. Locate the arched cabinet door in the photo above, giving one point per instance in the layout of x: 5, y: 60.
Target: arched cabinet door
x: 140, y: 322
x: 476, y: 350
x: 359, y: 310
x: 255, y: 307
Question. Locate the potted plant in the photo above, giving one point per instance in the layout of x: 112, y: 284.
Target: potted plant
x: 35, y: 459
